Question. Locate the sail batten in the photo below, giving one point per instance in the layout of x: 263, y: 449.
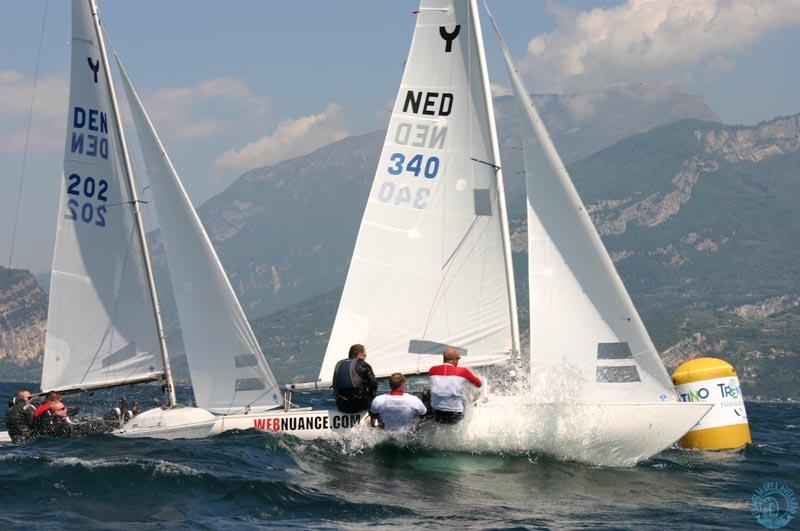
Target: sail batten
x: 429, y: 266
x: 228, y: 370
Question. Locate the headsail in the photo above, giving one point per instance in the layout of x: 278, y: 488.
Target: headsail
x: 429, y: 265
x: 100, y: 327
x: 228, y: 370
x: 581, y: 315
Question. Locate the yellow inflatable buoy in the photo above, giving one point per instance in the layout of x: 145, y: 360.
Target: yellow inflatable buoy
x: 713, y: 381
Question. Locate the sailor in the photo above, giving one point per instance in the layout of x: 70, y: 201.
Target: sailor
x: 398, y: 410
x: 447, y: 384
x: 19, y: 417
x: 121, y: 413
x: 52, y: 396
x: 54, y: 421
x: 354, y: 383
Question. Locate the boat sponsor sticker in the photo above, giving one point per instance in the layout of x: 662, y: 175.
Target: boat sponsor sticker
x: 301, y: 423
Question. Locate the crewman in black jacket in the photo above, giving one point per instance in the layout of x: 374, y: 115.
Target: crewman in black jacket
x: 19, y: 417
x: 354, y: 383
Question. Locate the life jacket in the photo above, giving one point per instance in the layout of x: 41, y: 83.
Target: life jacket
x: 346, y: 377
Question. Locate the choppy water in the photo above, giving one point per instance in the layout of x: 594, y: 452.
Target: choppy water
x: 252, y: 479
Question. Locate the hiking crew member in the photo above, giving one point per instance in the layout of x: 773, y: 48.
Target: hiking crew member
x: 447, y: 384
x: 354, y: 383
x: 19, y: 417
x: 121, y: 414
x: 52, y: 396
x: 398, y: 410
x: 53, y: 422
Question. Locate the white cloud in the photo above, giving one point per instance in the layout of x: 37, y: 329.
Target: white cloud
x: 499, y: 90
x: 185, y: 112
x: 384, y: 113
x: 16, y: 90
x: 291, y: 138
x: 201, y: 110
x: 49, y: 112
x: 643, y: 39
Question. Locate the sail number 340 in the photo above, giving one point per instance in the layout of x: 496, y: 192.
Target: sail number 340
x: 414, y: 165
x: 90, y: 188
x: 390, y: 192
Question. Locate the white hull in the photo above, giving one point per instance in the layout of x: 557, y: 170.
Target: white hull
x: 598, y: 434
x: 175, y: 423
x: 196, y: 423
x: 304, y: 423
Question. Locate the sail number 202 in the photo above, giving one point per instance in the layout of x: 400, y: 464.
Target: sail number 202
x: 88, y: 188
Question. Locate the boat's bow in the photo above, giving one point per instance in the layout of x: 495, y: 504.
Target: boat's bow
x: 171, y: 423
x: 610, y: 434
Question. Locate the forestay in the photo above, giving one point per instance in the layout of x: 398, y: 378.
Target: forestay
x: 581, y: 315
x: 100, y: 327
x: 228, y: 370
x: 428, y: 268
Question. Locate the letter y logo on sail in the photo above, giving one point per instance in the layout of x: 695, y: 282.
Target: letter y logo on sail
x: 449, y: 37
x: 94, y: 66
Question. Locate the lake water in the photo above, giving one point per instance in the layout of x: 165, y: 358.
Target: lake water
x: 252, y: 480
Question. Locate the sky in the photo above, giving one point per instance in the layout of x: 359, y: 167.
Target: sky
x: 244, y: 83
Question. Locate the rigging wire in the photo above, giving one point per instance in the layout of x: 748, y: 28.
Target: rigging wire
x: 25, y: 155
x: 27, y: 138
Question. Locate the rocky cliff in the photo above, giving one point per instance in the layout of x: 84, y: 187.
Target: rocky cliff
x: 23, y: 321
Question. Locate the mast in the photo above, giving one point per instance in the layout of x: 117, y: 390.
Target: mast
x: 135, y: 207
x: 501, y: 195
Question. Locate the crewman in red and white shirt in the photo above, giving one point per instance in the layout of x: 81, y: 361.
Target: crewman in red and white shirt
x: 447, y: 384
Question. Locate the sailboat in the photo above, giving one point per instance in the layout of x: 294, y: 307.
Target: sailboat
x: 432, y: 268
x: 104, y: 321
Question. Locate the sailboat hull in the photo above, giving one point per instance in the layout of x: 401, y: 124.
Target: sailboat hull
x: 304, y: 423
x: 173, y: 423
x: 599, y: 434
x: 620, y: 434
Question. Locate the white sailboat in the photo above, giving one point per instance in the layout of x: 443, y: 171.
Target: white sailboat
x: 104, y: 322
x: 432, y: 263
x: 232, y: 383
x: 432, y: 267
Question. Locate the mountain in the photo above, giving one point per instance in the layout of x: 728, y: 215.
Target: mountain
x: 702, y: 220
x: 23, y: 321
x: 703, y: 223
x: 285, y: 232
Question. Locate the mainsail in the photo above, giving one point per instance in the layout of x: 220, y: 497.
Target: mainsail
x: 100, y: 326
x: 430, y: 266
x: 581, y: 315
x: 228, y: 369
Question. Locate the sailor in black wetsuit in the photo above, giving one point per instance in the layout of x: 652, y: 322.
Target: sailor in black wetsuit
x: 354, y: 383
x: 19, y: 417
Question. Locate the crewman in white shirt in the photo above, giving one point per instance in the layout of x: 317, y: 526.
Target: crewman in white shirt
x: 398, y: 410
